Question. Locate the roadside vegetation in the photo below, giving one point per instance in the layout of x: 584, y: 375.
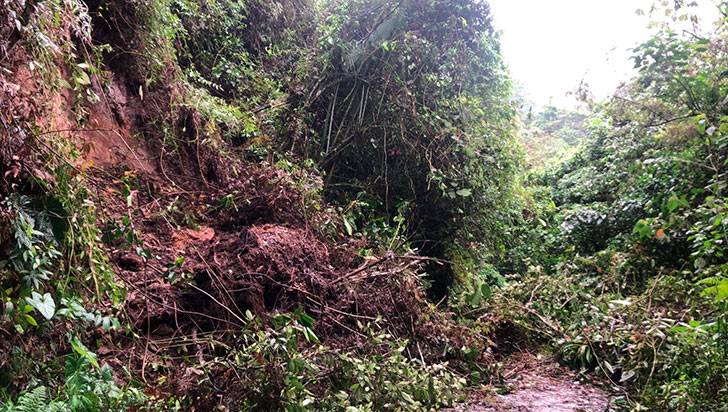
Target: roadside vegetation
x: 339, y: 205
x: 627, y: 277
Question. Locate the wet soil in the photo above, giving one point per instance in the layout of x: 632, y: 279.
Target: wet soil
x: 538, y: 384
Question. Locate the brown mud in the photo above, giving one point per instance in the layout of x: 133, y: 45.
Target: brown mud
x: 217, y: 241
x: 533, y: 383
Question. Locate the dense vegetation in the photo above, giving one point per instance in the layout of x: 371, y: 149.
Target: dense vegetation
x: 630, y: 278
x: 323, y: 205
x: 552, y: 135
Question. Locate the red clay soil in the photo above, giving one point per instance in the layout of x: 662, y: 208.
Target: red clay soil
x: 536, y: 384
x: 263, y: 254
x: 110, y: 133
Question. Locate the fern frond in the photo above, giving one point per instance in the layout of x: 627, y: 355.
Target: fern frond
x: 33, y: 401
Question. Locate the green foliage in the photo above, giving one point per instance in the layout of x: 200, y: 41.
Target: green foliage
x: 393, y: 382
x: 24, y: 276
x: 150, y: 28
x: 407, y: 117
x: 35, y: 250
x: 224, y: 120
x: 355, y: 87
x: 35, y: 400
x: 635, y: 287
x: 223, y: 53
x: 36, y: 275
x: 75, y: 211
x: 74, y: 310
x: 284, y: 366
x: 552, y: 135
x: 45, y: 35
x: 401, y: 112
x: 87, y: 387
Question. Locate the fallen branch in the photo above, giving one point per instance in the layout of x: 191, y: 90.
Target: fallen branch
x: 545, y: 321
x: 389, y: 256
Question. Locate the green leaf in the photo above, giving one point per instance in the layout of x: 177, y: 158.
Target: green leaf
x: 482, y: 291
x: 44, y: 304
x: 83, y: 351
x: 348, y: 226
x: 719, y: 291
x: 674, y: 203
x: 475, y: 378
x: 464, y: 192
x: 486, y: 291
x: 31, y: 320
x: 309, y: 335
x: 83, y: 79
x: 305, y: 320
x: 472, y: 354
x: 643, y: 229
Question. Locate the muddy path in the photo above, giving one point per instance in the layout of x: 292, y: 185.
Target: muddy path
x: 538, y: 384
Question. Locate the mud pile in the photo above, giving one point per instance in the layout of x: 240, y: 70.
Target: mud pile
x: 198, y: 233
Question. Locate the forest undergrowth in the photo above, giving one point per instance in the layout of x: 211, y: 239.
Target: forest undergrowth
x: 325, y: 205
